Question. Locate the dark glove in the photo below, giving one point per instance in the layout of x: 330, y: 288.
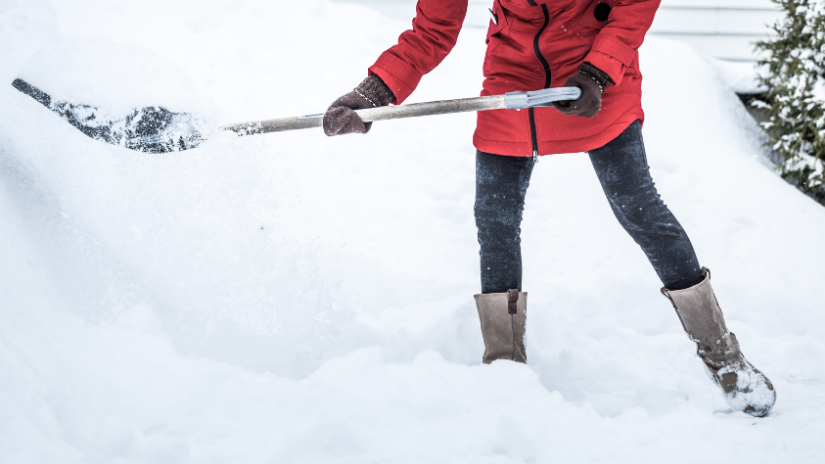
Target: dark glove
x: 340, y: 119
x: 592, y: 81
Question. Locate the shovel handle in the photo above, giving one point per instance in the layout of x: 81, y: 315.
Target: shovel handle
x: 511, y: 100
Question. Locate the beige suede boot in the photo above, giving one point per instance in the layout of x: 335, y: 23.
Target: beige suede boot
x: 745, y: 388
x: 502, y: 318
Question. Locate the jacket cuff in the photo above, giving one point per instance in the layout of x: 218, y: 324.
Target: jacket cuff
x: 611, y: 56
x: 400, y: 77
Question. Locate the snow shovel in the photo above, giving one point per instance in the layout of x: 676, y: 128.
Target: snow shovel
x: 157, y: 130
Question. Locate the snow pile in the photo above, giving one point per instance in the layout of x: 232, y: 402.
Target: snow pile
x: 293, y: 298
x: 117, y: 76
x: 25, y: 27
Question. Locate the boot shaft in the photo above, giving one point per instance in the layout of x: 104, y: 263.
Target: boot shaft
x: 503, y: 317
x: 702, y: 318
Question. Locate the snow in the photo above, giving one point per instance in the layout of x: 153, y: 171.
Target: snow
x: 294, y: 298
x: 740, y: 76
x: 83, y: 70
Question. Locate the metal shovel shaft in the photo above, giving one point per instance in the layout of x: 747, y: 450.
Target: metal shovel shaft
x: 511, y: 100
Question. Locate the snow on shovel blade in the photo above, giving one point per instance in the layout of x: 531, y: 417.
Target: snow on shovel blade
x: 151, y: 129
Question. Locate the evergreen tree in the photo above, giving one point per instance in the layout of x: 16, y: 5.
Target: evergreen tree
x: 795, y: 97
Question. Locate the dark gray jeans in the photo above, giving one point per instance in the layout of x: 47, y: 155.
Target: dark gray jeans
x: 621, y: 166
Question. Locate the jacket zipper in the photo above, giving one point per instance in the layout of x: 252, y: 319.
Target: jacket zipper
x: 537, y: 50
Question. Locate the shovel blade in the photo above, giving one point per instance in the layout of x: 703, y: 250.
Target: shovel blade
x: 152, y: 129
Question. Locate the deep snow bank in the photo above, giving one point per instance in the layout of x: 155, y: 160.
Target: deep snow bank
x: 295, y: 298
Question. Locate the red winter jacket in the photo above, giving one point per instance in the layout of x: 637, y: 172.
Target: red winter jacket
x: 536, y: 44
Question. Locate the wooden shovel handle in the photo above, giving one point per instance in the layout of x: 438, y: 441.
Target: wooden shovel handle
x: 512, y: 100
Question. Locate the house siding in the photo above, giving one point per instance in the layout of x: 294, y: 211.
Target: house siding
x: 724, y: 29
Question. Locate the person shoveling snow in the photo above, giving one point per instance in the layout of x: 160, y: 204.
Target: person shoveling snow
x: 589, y: 46
x: 592, y: 45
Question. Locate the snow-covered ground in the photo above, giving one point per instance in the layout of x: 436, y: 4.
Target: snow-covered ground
x: 294, y: 298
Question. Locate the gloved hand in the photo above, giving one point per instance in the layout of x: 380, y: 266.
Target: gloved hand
x: 592, y: 81
x: 340, y: 119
